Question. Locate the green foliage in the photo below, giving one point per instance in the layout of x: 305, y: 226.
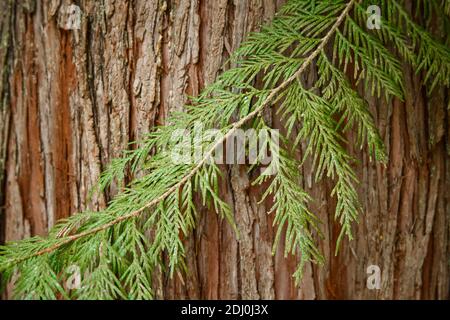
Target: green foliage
x: 371, y: 60
x: 353, y: 109
x: 141, y: 231
x: 45, y: 285
x: 290, y: 207
x: 415, y: 44
x: 101, y: 283
x: 325, y: 144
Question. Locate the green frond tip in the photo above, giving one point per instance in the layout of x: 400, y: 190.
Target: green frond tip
x: 291, y: 213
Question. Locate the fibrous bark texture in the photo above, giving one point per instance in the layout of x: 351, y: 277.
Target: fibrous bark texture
x: 81, y: 79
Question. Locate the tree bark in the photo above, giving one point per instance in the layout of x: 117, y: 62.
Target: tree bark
x: 72, y: 99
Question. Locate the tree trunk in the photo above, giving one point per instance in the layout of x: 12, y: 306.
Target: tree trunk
x: 73, y: 96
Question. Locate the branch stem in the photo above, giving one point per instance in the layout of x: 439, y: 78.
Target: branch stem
x: 236, y: 125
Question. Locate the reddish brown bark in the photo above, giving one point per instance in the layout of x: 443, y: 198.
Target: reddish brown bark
x: 73, y: 99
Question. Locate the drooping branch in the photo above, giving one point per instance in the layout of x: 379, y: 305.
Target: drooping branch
x: 274, y: 93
